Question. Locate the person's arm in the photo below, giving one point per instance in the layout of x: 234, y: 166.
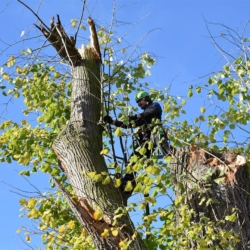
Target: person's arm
x: 138, y: 121
x: 134, y: 121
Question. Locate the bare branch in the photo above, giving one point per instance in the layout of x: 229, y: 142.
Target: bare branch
x: 78, y: 27
x: 34, y: 14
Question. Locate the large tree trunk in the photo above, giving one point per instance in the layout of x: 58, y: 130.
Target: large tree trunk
x: 230, y: 193
x: 78, y: 146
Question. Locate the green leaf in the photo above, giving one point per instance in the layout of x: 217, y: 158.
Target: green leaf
x: 143, y: 151
x: 202, y: 109
x: 219, y: 180
x: 55, y: 171
x: 31, y: 203
x: 198, y: 89
x: 133, y: 158
x: 190, y: 93
x: 138, y: 188
x: 106, y: 180
x: 118, y: 132
x: 232, y: 126
x: 117, y: 183
x: 231, y: 218
x: 17, y: 94
x: 150, y: 145
x: 11, y: 61
x: 129, y: 186
x: 202, y: 201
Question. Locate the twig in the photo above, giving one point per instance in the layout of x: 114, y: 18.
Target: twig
x: 34, y: 14
x: 60, y: 34
x: 83, y: 6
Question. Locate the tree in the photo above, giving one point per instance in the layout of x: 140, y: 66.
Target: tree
x: 70, y: 107
x: 212, y: 184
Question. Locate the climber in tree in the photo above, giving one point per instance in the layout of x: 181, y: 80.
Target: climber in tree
x: 152, y: 112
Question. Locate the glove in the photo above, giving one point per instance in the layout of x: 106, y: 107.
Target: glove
x: 132, y: 117
x: 107, y: 119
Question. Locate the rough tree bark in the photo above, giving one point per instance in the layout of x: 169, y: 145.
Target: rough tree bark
x: 190, y: 168
x: 78, y: 146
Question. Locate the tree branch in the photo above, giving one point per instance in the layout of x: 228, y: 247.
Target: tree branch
x: 34, y: 14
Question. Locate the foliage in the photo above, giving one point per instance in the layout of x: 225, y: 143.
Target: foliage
x: 45, y: 90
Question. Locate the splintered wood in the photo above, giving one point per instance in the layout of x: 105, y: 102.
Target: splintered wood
x: 65, y: 45
x: 227, y: 162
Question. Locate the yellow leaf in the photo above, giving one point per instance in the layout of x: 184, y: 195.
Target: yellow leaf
x: 114, y: 231
x: 52, y: 223
x: 129, y: 186
x: 31, y: 203
x: 56, y: 75
x: 117, y: 183
x: 106, y: 180
x: 51, y: 68
x: 118, y: 132
x: 97, y: 214
x: 178, y: 200
x: 134, y: 236
x: 61, y: 229
x: 18, y: 231
x: 11, y: 61
x: 71, y: 224
x: 104, y: 151
x: 143, y: 151
x: 150, y: 145
x: 146, y: 189
x: 26, y: 155
x: 138, y: 188
x: 92, y: 175
x: 6, y: 76
x: 19, y: 70
x: 153, y: 170
x: 43, y: 227
x: 122, y: 244
x: 28, y: 238
x: 23, y: 202
x: 98, y: 177
x: 202, y: 201
x: 24, y: 122
x: 105, y: 233
x: 231, y: 218
x: 202, y: 109
x: 10, y: 91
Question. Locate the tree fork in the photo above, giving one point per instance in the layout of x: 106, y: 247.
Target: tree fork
x: 231, y: 191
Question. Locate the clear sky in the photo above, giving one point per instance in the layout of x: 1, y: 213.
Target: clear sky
x: 180, y: 41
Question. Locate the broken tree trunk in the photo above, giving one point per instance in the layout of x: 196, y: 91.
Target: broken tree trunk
x: 224, y: 179
x: 78, y: 146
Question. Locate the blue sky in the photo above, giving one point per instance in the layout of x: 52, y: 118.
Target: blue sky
x: 180, y: 42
